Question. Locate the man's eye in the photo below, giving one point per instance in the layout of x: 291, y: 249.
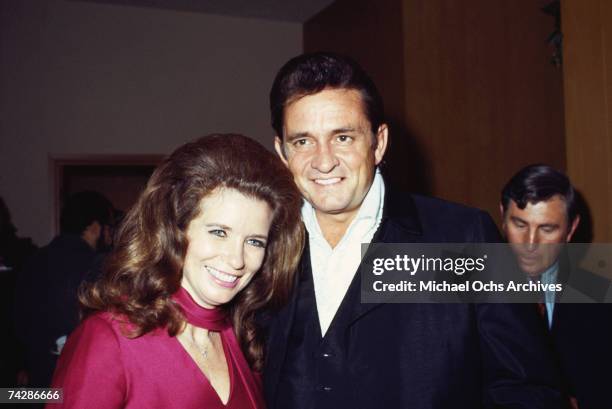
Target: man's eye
x: 344, y: 138
x: 548, y: 229
x: 257, y: 243
x: 300, y: 142
x: 218, y: 232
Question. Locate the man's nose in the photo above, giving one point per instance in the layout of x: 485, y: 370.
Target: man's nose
x: 532, y: 241
x: 324, y: 159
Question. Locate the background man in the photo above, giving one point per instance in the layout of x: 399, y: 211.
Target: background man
x: 539, y: 211
x: 326, y: 349
x: 14, y: 251
x: 46, y: 305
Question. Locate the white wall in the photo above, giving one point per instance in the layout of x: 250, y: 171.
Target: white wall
x: 84, y: 78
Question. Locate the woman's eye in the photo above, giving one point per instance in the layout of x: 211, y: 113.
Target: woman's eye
x: 218, y: 232
x: 257, y: 243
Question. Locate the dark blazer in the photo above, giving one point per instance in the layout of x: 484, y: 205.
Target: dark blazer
x: 410, y: 355
x: 582, y: 339
x: 46, y: 301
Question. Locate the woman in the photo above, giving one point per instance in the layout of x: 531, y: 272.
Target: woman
x: 215, y: 236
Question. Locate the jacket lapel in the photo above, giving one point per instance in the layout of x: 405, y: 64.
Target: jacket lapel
x: 280, y: 330
x: 400, y: 224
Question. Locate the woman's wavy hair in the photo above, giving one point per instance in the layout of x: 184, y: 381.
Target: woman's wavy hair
x: 145, y: 268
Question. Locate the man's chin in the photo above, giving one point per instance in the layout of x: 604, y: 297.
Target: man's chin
x: 533, y: 271
x: 329, y: 207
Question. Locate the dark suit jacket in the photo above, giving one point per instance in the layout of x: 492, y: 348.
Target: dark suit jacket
x: 46, y: 301
x: 582, y: 339
x: 411, y: 355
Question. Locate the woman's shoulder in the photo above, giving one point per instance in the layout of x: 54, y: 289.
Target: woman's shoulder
x: 106, y: 325
x: 100, y: 327
x: 90, y: 368
x: 118, y: 326
x: 104, y: 320
x: 100, y: 337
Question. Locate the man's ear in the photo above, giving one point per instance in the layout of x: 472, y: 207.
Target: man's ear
x: 572, y: 229
x: 280, y: 150
x: 382, y: 138
x: 501, y: 213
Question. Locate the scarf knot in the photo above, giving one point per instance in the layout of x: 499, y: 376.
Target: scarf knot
x: 212, y: 319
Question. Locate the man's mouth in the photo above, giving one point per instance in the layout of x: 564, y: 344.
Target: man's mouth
x: 327, y: 182
x: 527, y: 263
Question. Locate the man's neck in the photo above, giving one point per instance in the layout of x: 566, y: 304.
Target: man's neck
x: 334, y: 226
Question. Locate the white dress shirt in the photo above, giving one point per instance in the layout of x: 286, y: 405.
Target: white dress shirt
x: 333, y: 269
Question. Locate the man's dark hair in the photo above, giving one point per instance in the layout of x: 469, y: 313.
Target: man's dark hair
x: 82, y: 209
x: 538, y: 183
x: 309, y: 74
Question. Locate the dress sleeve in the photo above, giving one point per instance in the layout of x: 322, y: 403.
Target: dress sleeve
x: 90, y: 370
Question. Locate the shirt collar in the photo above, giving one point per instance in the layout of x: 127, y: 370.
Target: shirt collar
x: 550, y: 275
x: 371, y: 210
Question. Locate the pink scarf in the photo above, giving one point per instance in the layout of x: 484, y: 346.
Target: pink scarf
x: 217, y: 320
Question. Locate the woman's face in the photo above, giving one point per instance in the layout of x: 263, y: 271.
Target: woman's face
x: 227, y: 245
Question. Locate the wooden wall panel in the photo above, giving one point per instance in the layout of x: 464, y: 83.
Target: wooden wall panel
x: 481, y: 95
x: 587, y: 29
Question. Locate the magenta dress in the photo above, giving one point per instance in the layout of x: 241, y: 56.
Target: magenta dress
x: 101, y: 368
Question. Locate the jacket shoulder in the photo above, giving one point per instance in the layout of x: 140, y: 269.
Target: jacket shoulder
x: 442, y: 220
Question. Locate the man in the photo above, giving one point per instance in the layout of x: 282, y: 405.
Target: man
x: 46, y: 297
x: 14, y: 251
x: 325, y: 348
x: 540, y: 215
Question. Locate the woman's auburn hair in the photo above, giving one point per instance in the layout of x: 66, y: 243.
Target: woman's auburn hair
x: 145, y: 268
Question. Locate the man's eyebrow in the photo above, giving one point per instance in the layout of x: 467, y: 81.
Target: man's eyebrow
x: 345, y: 129
x: 299, y: 135
x: 518, y: 219
x: 549, y: 225
x: 294, y: 136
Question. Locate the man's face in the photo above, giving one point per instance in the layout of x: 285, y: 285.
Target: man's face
x: 107, y: 232
x: 105, y: 241
x: 537, y: 231
x: 329, y: 147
